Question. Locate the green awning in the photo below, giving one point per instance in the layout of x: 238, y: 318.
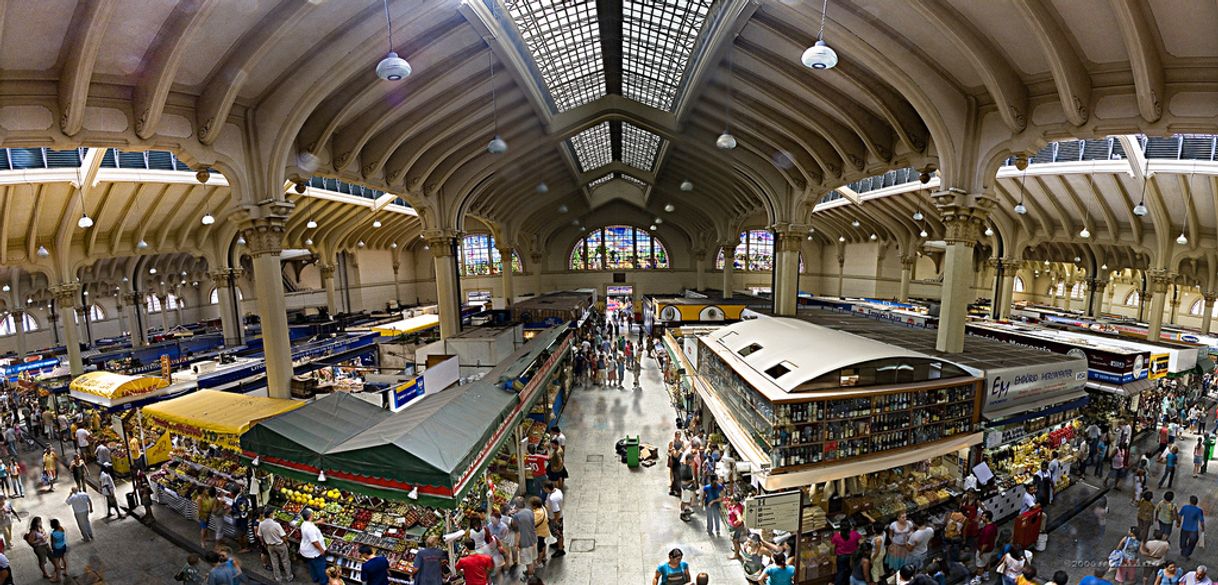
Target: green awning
x: 306, y: 434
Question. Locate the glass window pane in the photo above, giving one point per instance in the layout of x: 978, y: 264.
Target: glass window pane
x: 593, y: 147
x: 657, y: 41
x: 639, y: 147
x: 619, y: 247
x: 563, y: 38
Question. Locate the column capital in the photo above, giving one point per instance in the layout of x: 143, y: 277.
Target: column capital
x: 66, y: 295
x: 17, y: 311
x: 1160, y: 280
x: 963, y: 214
x: 223, y: 278
x: 440, y: 241
x: 327, y: 270
x: 788, y: 237
x: 535, y: 258
x: 699, y: 254
x: 1209, y: 296
x: 908, y: 260
x: 263, y: 226
x: 1012, y: 264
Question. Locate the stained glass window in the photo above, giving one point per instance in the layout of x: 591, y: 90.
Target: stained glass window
x: 619, y: 247
x: 754, y: 253
x: 480, y: 257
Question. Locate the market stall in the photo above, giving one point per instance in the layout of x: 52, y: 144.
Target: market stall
x: 120, y: 397
x: 206, y: 427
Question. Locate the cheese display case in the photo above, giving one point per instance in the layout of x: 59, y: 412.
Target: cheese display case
x: 1014, y: 464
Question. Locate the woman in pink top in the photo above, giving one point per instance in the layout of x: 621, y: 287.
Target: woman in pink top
x: 845, y: 544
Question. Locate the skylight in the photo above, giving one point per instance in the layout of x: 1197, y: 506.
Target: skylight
x: 639, y: 147
x: 634, y: 180
x: 563, y: 37
x: 658, y: 39
x: 593, y: 147
x: 600, y: 181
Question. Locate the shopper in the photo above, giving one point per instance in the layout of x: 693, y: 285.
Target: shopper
x: 779, y: 572
x: 190, y: 573
x: 1167, y: 514
x: 1011, y: 565
x: 205, y: 502
x: 50, y: 468
x: 79, y: 471
x: 40, y: 541
x: 1200, y: 576
x: 430, y: 563
x: 313, y: 548
x: 554, y: 507
x: 375, y: 570
x: 1127, y: 570
x: 712, y: 498
x: 541, y: 523
x: 222, y: 572
x: 1169, y: 469
x: 898, y: 537
x: 846, y: 543
x: 82, y: 506
x: 1154, y: 552
x: 271, y: 535
x: 674, y: 572
x: 242, y: 511
x: 102, y: 455
x: 474, y: 566
x: 859, y: 565
x: 1170, y: 574
x: 1192, y: 524
x: 556, y: 467
x: 526, y: 530
x: 59, y: 551
x: 1146, y: 514
x: 105, y: 485
x: 919, y: 544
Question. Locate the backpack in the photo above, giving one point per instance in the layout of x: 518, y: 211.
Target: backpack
x: 30, y: 538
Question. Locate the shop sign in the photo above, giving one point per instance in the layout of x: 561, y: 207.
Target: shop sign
x: 1009, y: 386
x: 403, y: 393
x: 166, y: 368
x: 46, y: 364
x: 1102, y: 365
x: 1159, y: 363
x: 779, y: 511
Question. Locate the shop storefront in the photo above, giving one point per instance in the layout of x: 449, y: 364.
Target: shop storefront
x: 110, y: 403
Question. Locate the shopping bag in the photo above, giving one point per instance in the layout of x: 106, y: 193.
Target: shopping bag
x: 1201, y: 540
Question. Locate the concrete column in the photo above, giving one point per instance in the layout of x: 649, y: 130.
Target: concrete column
x: 177, y: 311
x: 1095, y: 296
x: 509, y: 290
x: 397, y: 281
x: 122, y: 313
x: 327, y: 282
x: 1174, y: 303
x: 535, y: 260
x: 788, y: 240
x: 441, y: 243
x: 1160, y: 280
x: 230, y: 316
x: 1108, y: 294
x: 139, y: 324
x: 263, y: 233
x: 699, y: 268
x: 67, y: 297
x: 1010, y: 268
x: 908, y: 261
x: 729, y: 266
x: 841, y: 269
x: 19, y: 328
x: 164, y: 312
x: 1207, y: 310
x: 963, y: 216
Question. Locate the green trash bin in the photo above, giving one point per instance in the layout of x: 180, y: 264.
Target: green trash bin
x: 632, y: 451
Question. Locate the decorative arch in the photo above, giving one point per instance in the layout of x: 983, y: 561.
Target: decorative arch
x: 1077, y: 291
x: 619, y: 247
x: 1198, y: 307
x: 754, y: 253
x: 214, y: 298
x: 1019, y: 285
x: 1133, y: 299
x: 480, y: 257
x: 8, y: 326
x: 172, y: 302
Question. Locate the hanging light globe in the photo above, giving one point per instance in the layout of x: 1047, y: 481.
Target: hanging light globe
x: 989, y: 231
x: 819, y: 56
x: 923, y: 233
x: 725, y: 141
x: 311, y: 224
x: 497, y: 145
x: 653, y: 227
x: 917, y: 216
x: 1140, y: 209
x: 376, y: 223
x: 1021, y: 209
x: 141, y: 245
x: 1182, y: 240
x: 85, y: 222
x: 240, y: 240
x: 152, y: 270
x: 874, y: 237
x: 855, y: 223
x: 359, y: 244
x: 841, y: 238
x: 393, y: 68
x: 670, y: 208
x: 687, y: 185
x: 562, y: 208
x: 1084, y: 234
x: 308, y: 241
x: 542, y: 187
x: 43, y: 252
x: 208, y: 219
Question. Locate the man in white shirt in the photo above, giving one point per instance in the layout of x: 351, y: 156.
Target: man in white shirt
x: 1029, y: 498
x: 105, y: 484
x: 1198, y: 577
x: 82, y: 440
x: 82, y: 506
x: 1056, y: 469
x: 554, y: 504
x: 271, y: 535
x: 313, y: 548
x: 919, y: 544
x: 102, y: 455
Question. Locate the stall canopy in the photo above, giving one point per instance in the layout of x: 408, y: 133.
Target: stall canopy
x: 432, y: 451
x: 118, y: 391
x: 217, y: 416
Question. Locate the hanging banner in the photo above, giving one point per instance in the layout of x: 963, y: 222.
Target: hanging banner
x: 166, y: 368
x: 1159, y: 365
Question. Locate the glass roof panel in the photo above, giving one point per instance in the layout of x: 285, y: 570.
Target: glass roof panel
x: 639, y: 147
x: 658, y: 39
x: 600, y: 181
x: 564, y: 39
x: 634, y: 180
x: 593, y: 147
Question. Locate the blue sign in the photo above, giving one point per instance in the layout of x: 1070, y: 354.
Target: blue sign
x: 405, y: 392
x: 39, y: 365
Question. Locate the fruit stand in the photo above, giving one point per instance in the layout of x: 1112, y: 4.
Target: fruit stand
x: 206, y: 427
x: 121, y: 396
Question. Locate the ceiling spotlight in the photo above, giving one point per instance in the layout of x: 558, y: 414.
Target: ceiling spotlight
x: 141, y: 245
x: 195, y: 283
x: 819, y: 56
x: 183, y: 274
x: 542, y: 187
x: 581, y: 228
x: 874, y: 237
x: 1140, y: 209
x: 725, y: 141
x: 376, y: 223
x: 1077, y: 259
x: 575, y: 221
x: 1021, y: 209
x: 359, y: 244
x: 653, y: 227
x: 809, y: 238
x: 497, y: 145
x: 1083, y: 233
x: 240, y: 240
x: 659, y: 220
x: 562, y: 208
x: 989, y: 231
x: 393, y: 245
x: 917, y: 216
x: 86, y: 293
x: 208, y: 219
x: 85, y: 222
x: 152, y: 270
x: 311, y: 224
x: 393, y: 68
x: 686, y: 185
x: 923, y: 233
x: 841, y: 238
x: 670, y: 208
x: 1182, y: 240
x: 1046, y: 262
x: 125, y: 279
x: 855, y: 223
x: 308, y: 241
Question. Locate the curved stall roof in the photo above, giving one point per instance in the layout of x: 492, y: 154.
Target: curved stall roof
x: 809, y: 351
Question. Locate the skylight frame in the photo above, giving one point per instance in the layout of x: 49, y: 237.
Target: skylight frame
x: 563, y: 38
x: 639, y: 147
x: 637, y: 182
x: 593, y: 147
x: 658, y: 42
x: 601, y: 180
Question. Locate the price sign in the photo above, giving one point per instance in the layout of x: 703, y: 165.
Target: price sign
x: 778, y: 511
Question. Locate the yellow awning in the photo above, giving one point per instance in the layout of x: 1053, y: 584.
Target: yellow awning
x: 222, y: 413
x: 405, y: 326
x: 115, y: 386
